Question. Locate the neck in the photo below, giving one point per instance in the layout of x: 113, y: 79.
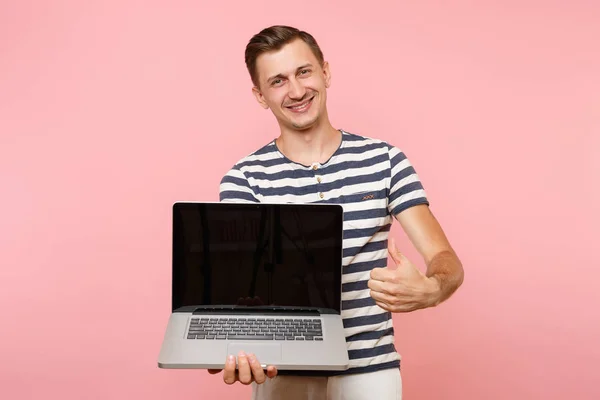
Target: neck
x: 316, y: 144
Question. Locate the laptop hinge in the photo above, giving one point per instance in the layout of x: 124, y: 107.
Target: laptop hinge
x: 263, y: 310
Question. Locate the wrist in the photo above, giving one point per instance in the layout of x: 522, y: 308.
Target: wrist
x: 434, y: 290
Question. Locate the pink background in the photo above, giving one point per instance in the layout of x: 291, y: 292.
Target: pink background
x: 110, y: 111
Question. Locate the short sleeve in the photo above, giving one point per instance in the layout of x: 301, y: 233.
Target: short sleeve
x: 406, y: 189
x: 235, y: 188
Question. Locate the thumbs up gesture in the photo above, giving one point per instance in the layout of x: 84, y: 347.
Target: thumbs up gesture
x: 404, y: 288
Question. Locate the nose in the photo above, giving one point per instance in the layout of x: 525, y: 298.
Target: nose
x: 297, y: 90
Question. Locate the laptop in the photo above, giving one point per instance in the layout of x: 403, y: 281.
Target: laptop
x: 259, y: 278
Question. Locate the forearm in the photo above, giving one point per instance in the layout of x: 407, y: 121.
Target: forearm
x: 447, y: 270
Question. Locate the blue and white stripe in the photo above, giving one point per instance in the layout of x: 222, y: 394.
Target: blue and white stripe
x: 373, y: 181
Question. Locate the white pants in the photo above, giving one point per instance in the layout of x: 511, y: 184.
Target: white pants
x: 381, y: 385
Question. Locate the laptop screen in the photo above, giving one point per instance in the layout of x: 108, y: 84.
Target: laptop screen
x: 257, y: 254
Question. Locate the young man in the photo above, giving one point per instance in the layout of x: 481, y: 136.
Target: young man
x: 312, y: 162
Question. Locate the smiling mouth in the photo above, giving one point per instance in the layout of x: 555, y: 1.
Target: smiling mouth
x: 301, y: 107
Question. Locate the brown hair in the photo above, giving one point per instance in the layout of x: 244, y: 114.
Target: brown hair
x: 274, y: 38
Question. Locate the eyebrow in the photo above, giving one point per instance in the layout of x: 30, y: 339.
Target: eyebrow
x: 283, y: 76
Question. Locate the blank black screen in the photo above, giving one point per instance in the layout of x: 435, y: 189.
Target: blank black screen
x: 274, y: 254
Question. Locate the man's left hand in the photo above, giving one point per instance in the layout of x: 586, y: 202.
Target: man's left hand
x: 405, y: 288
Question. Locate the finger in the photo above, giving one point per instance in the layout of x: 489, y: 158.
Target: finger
x: 379, y: 286
x: 382, y: 274
x: 385, y: 306
x: 257, y: 370
x: 382, y: 297
x: 402, y: 308
x: 394, y: 252
x: 390, y: 293
x: 271, y: 371
x: 244, y: 373
x: 229, y: 371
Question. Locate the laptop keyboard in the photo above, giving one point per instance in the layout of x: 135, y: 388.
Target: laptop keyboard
x: 255, y: 329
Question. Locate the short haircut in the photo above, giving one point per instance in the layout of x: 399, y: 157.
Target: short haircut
x: 274, y: 38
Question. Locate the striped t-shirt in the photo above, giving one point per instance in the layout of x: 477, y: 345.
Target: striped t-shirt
x: 373, y: 181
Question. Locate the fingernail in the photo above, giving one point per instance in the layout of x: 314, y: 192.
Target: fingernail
x: 242, y: 354
x: 231, y: 358
x: 251, y: 357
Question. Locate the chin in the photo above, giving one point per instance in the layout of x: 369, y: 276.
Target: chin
x: 303, y: 125
x: 305, y: 121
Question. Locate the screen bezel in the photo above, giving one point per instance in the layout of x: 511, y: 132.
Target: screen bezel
x: 335, y: 209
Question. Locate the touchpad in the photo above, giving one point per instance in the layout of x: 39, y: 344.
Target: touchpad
x: 266, y: 353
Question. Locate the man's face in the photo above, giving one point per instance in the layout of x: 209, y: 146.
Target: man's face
x: 293, y: 85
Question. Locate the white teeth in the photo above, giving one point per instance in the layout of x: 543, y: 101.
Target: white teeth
x: 301, y: 106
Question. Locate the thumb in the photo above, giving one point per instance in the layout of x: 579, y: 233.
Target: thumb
x: 396, y: 255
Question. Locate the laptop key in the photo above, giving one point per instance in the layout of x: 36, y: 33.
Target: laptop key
x: 191, y: 337
x: 250, y: 337
x: 318, y: 338
x: 200, y: 336
x: 221, y: 337
x: 278, y: 337
x: 210, y: 336
x: 309, y: 337
x: 299, y: 338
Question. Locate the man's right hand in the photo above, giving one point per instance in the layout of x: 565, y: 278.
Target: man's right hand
x: 249, y: 370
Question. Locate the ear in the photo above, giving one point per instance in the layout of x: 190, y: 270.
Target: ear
x: 259, y: 97
x: 326, y: 74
